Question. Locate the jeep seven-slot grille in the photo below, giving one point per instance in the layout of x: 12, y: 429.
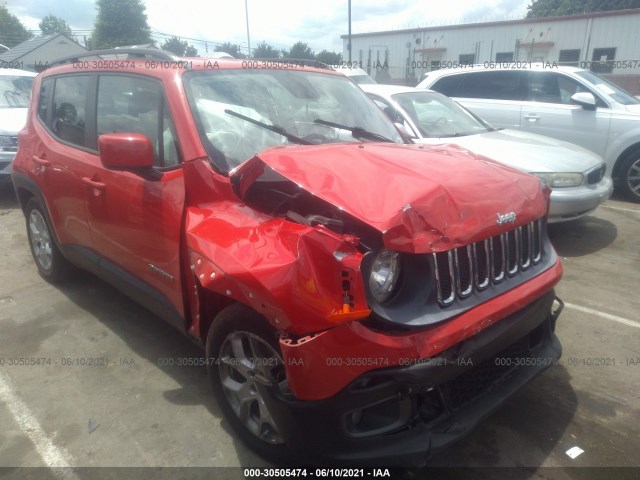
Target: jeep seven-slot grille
x: 463, y: 270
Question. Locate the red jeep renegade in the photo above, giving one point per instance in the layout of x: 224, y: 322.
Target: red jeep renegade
x: 359, y: 300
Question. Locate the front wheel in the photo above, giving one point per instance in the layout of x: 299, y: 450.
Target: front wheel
x: 630, y: 177
x: 247, y: 375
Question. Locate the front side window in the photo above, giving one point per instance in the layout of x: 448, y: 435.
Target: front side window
x: 68, y: 116
x: 242, y: 112
x: 129, y: 104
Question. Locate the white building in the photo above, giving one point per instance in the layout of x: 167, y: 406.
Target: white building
x: 581, y: 40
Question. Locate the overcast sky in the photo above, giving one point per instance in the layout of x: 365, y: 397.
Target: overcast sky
x: 280, y: 22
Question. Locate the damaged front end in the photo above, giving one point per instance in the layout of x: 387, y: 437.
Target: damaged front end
x: 376, y: 314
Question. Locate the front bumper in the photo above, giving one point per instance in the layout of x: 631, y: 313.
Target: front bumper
x: 402, y: 415
x: 575, y: 202
x: 5, y: 164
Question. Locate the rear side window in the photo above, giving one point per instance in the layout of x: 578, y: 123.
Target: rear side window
x: 449, y: 86
x: 498, y: 85
x: 45, y: 97
x: 129, y: 104
x: 68, y: 111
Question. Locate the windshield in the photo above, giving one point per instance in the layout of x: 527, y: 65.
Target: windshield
x: 242, y: 112
x: 15, y: 91
x: 437, y: 116
x: 608, y: 88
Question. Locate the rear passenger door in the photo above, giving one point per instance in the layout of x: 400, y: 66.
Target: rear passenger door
x: 549, y: 111
x: 136, y: 216
x: 495, y: 96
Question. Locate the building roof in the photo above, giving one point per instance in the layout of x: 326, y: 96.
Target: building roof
x: 29, y: 46
x: 578, y: 16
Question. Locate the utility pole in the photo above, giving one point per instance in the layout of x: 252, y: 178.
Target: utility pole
x: 349, y: 36
x: 246, y: 9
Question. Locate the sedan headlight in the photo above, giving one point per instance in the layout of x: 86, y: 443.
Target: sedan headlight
x: 561, y: 179
x: 385, y: 271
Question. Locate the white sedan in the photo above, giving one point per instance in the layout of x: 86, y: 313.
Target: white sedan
x: 576, y: 175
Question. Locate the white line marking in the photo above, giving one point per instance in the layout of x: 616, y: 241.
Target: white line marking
x: 608, y: 316
x: 620, y: 208
x: 57, y: 458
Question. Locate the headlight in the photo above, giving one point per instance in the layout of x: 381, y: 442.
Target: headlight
x: 559, y: 180
x: 385, y: 271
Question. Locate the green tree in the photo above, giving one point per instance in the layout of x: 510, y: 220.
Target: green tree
x: 180, y: 47
x: 120, y: 22
x: 264, y: 50
x: 232, y: 49
x: 301, y: 51
x: 12, y: 32
x: 330, y: 58
x: 554, y: 8
x: 52, y: 24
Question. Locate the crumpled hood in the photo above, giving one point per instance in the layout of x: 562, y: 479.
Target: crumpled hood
x: 526, y: 151
x: 421, y: 198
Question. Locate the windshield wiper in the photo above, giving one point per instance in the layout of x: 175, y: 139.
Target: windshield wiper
x: 357, y: 132
x: 274, y: 128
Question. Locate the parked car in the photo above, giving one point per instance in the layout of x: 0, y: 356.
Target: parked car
x: 15, y: 90
x: 567, y: 103
x: 576, y: 175
x: 356, y: 74
x: 357, y: 299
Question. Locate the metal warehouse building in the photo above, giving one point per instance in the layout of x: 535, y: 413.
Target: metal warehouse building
x: 605, y: 42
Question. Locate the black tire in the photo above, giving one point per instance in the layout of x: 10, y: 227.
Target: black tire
x: 629, y: 176
x: 236, y: 334
x: 52, y: 265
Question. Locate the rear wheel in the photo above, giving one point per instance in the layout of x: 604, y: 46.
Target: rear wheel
x: 51, y: 264
x: 630, y: 176
x: 247, y: 374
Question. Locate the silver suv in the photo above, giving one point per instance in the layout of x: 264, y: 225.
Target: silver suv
x: 566, y: 103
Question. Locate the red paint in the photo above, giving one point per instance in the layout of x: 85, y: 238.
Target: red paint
x: 190, y: 224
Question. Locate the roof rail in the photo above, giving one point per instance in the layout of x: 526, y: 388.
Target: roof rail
x: 132, y: 53
x: 298, y: 61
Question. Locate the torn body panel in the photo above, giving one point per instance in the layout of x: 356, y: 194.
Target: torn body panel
x: 286, y: 271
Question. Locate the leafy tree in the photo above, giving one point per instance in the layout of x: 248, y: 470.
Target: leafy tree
x: 120, y: 22
x: 12, y: 32
x: 553, y: 8
x: 232, y: 49
x: 180, y: 47
x: 300, y: 50
x: 52, y: 24
x: 330, y: 58
x: 264, y: 50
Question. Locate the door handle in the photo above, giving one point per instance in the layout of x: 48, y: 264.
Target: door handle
x: 532, y: 117
x: 41, y: 161
x: 98, y: 187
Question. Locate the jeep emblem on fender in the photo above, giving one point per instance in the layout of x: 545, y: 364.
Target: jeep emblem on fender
x: 503, y: 218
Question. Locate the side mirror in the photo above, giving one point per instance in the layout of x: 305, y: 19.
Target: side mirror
x: 125, y: 150
x: 585, y: 99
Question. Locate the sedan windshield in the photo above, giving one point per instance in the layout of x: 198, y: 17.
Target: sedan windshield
x: 15, y: 91
x: 240, y: 112
x: 437, y: 116
x: 611, y: 89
